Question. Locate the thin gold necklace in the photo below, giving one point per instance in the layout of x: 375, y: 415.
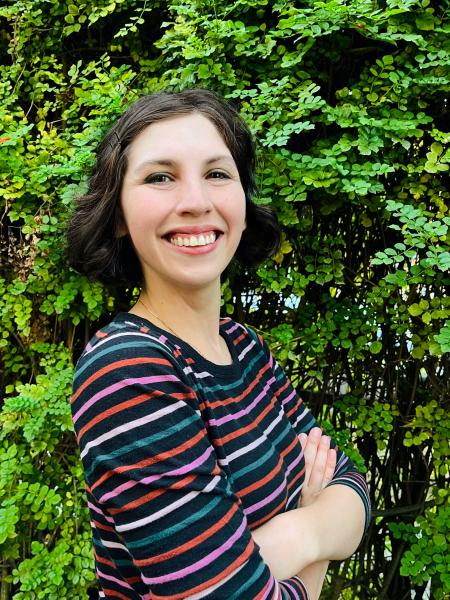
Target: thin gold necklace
x: 168, y: 326
x: 157, y: 317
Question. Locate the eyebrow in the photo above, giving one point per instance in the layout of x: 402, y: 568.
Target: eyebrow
x: 167, y: 162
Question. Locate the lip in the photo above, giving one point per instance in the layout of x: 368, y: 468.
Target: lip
x: 192, y: 230
x: 194, y: 250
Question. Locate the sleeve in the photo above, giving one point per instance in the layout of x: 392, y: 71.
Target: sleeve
x: 151, y: 469
x: 302, y: 420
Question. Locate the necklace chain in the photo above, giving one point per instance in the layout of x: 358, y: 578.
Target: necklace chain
x: 165, y: 324
x: 157, y: 317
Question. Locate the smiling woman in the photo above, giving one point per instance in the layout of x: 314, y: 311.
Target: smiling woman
x: 207, y: 477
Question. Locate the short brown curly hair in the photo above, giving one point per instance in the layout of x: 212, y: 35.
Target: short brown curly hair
x: 93, y: 245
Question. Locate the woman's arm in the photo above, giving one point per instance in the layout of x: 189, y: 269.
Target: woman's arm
x: 313, y: 577
x: 328, y: 525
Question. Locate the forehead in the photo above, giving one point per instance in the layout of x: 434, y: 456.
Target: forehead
x: 190, y: 135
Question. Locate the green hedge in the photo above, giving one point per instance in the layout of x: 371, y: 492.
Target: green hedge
x: 348, y: 100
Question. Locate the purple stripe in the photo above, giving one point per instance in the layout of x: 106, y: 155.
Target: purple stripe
x: 294, y: 594
x: 244, y: 411
x: 200, y: 564
x: 146, y: 480
x: 115, y: 580
x: 270, y: 588
x: 343, y: 461
x: 295, y: 462
x: 266, y: 500
x: 120, y: 385
x: 235, y: 326
x: 98, y: 511
x: 289, y: 398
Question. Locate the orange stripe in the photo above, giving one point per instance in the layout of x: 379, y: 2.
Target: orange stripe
x: 291, y: 446
x: 281, y: 389
x: 115, y: 409
x: 129, y: 404
x: 102, y: 526
x: 206, y: 584
x: 140, y: 360
x: 152, y: 495
x: 295, y: 408
x: 152, y: 460
x: 113, y: 594
x: 266, y: 518
x: 103, y: 561
x: 252, y: 425
x: 257, y: 484
x: 296, y: 478
x: 191, y: 544
x: 240, y: 338
x: 235, y: 399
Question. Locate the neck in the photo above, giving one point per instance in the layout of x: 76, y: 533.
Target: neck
x: 192, y: 315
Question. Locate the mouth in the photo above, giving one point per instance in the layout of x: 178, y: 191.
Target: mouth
x: 206, y: 238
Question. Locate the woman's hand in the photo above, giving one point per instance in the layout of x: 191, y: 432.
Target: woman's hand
x: 320, y: 463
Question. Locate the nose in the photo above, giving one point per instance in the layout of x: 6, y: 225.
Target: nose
x: 194, y: 197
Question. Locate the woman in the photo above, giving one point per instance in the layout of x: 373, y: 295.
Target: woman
x: 206, y: 475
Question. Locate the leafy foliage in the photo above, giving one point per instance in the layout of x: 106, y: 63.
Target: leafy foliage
x: 348, y: 102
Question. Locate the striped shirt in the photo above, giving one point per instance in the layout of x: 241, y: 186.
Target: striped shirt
x: 183, y: 458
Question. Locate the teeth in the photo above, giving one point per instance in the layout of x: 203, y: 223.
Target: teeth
x: 194, y: 240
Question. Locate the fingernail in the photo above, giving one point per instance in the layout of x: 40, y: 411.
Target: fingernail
x: 326, y: 439
x: 315, y: 432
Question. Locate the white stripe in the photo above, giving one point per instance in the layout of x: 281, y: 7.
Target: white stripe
x: 114, y: 336
x: 202, y: 375
x: 245, y: 350
x: 293, y: 494
x: 300, y: 417
x: 208, y: 591
x: 168, y: 509
x: 114, y: 545
x: 167, y: 410
x: 256, y: 442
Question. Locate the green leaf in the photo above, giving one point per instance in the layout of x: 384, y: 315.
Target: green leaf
x: 425, y: 22
x: 415, y: 310
x: 376, y: 347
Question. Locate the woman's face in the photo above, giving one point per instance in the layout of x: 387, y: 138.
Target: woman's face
x: 182, y: 202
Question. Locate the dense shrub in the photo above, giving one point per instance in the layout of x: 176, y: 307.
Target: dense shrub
x: 348, y: 101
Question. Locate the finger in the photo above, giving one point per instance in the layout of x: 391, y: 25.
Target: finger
x: 303, y: 437
x: 310, y: 451
x: 330, y: 466
x: 318, y: 469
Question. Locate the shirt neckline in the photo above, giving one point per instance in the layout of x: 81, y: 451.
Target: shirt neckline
x: 188, y: 351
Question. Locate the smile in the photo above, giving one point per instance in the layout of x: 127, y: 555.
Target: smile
x: 193, y: 240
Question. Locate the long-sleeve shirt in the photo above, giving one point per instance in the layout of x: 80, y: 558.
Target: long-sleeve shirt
x: 183, y: 458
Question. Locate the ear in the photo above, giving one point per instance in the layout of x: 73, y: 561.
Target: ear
x: 122, y: 229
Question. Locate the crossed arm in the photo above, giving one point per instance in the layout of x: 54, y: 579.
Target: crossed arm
x: 327, y: 525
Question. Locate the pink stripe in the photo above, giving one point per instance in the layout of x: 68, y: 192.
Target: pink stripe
x: 115, y: 580
x: 294, y: 594
x: 235, y: 326
x: 120, y: 385
x: 244, y: 411
x: 98, y: 511
x: 295, y: 462
x: 266, y: 500
x: 200, y: 564
x: 181, y: 471
x: 289, y: 398
x: 270, y: 586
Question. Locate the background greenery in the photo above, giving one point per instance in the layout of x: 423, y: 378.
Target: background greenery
x: 348, y: 100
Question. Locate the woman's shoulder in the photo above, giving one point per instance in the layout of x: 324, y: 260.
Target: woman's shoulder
x: 126, y: 337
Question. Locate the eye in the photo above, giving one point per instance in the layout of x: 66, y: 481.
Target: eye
x: 218, y: 174
x: 158, y: 178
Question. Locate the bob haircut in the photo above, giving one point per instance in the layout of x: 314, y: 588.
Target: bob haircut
x: 95, y: 249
